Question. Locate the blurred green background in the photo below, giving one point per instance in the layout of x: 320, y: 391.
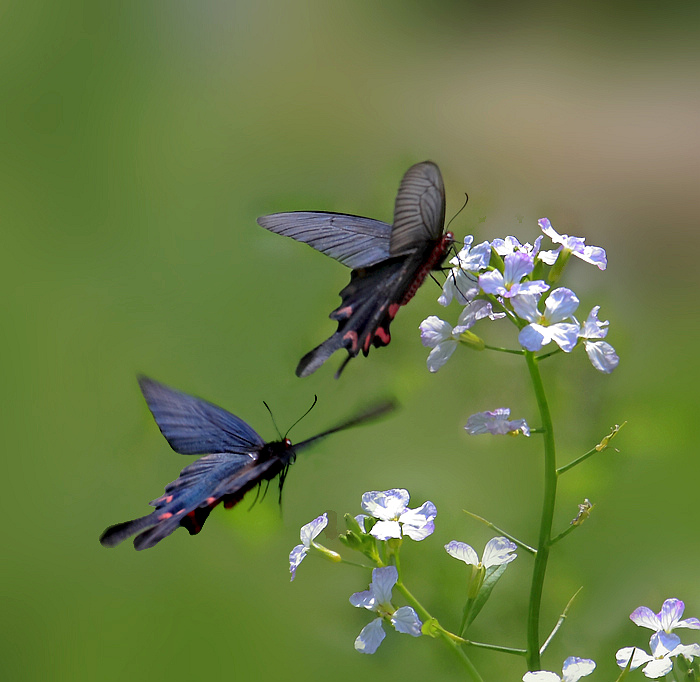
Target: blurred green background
x: 139, y: 142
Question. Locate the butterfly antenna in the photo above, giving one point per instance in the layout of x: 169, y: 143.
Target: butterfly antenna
x: 466, y: 201
x: 313, y: 404
x: 272, y: 416
x: 257, y: 495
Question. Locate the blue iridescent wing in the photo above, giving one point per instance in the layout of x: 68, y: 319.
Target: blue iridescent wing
x: 352, y: 240
x: 193, y: 426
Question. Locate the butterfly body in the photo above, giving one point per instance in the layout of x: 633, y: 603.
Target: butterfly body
x: 236, y: 460
x: 389, y: 262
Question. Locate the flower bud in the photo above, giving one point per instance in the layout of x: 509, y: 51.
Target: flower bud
x: 472, y: 340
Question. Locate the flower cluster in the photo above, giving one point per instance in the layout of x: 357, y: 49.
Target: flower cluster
x: 504, y: 278
x: 664, y: 645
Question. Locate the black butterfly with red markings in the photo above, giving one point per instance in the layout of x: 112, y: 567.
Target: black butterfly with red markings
x: 389, y: 262
x: 236, y: 460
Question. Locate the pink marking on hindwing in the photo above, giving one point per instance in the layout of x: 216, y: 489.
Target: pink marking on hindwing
x: 168, y: 499
x: 164, y: 516
x: 352, y: 337
x: 393, y: 309
x: 343, y: 313
x: 211, y: 500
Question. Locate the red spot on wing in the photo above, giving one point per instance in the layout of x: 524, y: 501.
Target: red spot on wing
x: 366, y: 344
x: 164, y: 516
x: 393, y: 309
x: 211, y: 501
x: 383, y: 335
x: 182, y: 511
x: 168, y: 499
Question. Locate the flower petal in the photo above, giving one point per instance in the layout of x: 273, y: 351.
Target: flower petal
x: 560, y: 305
x: 296, y: 556
x: 441, y: 354
x: 312, y: 529
x: 370, y: 637
x: 433, y: 330
x: 639, y: 657
x: 565, y: 335
x: 463, y: 552
x: 385, y: 504
x: 658, y: 667
x: 406, y: 620
x: 541, y: 676
x: 670, y: 614
x: 575, y: 668
x: 365, y: 600
x: 383, y: 581
x: 418, y: 523
x: 492, y: 282
x: 498, y: 551
x: 385, y: 530
x: 646, y: 618
x: 604, y: 358
x: 517, y: 266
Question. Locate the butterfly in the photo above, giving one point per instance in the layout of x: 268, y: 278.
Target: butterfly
x: 389, y: 262
x: 236, y: 460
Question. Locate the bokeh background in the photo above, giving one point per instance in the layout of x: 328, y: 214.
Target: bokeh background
x: 139, y: 142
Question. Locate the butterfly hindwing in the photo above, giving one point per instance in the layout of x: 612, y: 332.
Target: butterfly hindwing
x: 194, y: 426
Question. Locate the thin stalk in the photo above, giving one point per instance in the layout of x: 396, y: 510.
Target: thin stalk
x: 504, y: 350
x: 493, y: 526
x: 550, y: 494
x: 446, y: 637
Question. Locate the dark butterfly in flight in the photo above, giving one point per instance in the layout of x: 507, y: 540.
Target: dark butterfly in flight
x: 389, y: 262
x: 236, y: 460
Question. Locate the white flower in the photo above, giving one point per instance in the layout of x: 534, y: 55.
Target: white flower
x: 601, y: 354
x: 378, y: 599
x: 659, y: 663
x: 594, y: 255
x: 307, y: 535
x: 548, y: 326
x: 391, y: 508
x: 496, y: 422
x: 497, y: 552
x: 443, y: 338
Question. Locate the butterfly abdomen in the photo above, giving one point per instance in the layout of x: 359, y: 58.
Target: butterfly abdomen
x: 433, y: 262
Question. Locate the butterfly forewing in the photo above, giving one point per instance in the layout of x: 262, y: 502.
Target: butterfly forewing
x: 352, y: 240
x: 419, y: 212
x: 193, y: 426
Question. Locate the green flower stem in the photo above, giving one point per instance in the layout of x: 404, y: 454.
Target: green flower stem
x: 549, y: 355
x: 447, y: 637
x: 550, y: 494
x: 562, y: 535
x: 578, y: 460
x: 504, y: 350
x: 494, y: 527
x: 495, y: 647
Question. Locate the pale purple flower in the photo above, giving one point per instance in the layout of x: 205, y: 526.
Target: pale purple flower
x: 665, y: 621
x: 574, y: 669
x: 595, y: 255
x: 548, y: 326
x: 496, y: 422
x: 659, y: 662
x: 508, y: 284
x: 395, y: 518
x: 497, y: 552
x: 307, y: 535
x: 443, y: 338
x: 461, y: 283
x: 601, y: 354
x: 378, y: 599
